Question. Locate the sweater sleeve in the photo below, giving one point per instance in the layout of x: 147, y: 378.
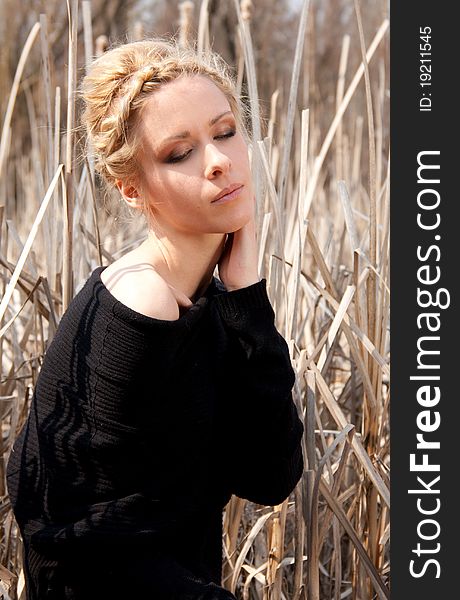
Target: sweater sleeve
x: 166, y: 578
x: 155, y: 571
x: 263, y: 429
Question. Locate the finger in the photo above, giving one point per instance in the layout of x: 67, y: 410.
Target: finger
x: 227, y: 246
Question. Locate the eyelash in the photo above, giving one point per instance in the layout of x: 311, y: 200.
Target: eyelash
x: 175, y: 159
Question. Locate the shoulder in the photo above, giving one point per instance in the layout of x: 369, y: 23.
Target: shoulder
x: 141, y: 288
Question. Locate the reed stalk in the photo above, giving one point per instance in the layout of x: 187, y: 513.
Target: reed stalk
x: 322, y: 194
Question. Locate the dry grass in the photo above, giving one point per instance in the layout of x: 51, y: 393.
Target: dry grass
x: 322, y: 181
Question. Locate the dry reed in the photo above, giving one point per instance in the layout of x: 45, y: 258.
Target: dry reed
x: 322, y: 216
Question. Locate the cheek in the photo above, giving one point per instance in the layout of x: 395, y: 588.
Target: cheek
x: 172, y: 185
x: 241, y: 155
x: 182, y: 192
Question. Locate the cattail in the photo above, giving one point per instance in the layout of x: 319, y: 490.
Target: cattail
x: 186, y: 15
x: 246, y: 9
x: 102, y: 42
x: 138, y: 31
x: 331, y: 537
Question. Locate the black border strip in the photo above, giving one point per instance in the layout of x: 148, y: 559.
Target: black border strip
x: 424, y: 272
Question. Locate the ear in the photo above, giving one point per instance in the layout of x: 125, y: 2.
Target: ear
x: 130, y: 193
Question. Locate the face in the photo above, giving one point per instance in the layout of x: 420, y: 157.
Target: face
x: 192, y: 152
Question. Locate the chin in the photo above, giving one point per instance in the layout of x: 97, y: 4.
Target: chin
x: 235, y: 218
x: 232, y: 229
x: 241, y: 218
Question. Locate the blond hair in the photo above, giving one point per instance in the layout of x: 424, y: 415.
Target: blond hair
x: 119, y: 83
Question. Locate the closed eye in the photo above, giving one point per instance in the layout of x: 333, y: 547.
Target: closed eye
x: 179, y: 157
x: 183, y: 156
x: 229, y: 134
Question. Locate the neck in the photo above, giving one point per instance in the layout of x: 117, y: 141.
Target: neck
x: 186, y: 262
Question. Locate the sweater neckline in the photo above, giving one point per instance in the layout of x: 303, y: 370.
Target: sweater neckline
x: 136, y: 318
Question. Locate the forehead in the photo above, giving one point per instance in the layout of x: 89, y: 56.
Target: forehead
x: 183, y: 102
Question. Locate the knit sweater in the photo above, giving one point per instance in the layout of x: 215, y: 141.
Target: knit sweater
x: 141, y: 429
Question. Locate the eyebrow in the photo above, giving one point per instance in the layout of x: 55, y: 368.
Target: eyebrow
x: 185, y: 134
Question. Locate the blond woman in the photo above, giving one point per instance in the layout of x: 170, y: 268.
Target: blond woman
x: 166, y: 389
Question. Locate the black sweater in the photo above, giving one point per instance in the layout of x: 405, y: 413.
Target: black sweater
x: 141, y: 429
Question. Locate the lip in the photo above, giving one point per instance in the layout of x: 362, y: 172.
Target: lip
x: 229, y: 193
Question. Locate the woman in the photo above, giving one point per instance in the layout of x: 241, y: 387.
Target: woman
x: 165, y: 390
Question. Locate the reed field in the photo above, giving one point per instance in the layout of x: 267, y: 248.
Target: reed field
x: 315, y: 76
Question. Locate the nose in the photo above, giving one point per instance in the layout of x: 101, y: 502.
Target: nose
x: 216, y: 162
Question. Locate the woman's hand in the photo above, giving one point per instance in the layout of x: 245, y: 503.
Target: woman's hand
x: 238, y: 262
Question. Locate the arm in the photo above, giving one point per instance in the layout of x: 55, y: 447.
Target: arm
x: 148, y: 561
x: 263, y: 429
x: 262, y: 422
x: 172, y: 580
x: 166, y: 578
